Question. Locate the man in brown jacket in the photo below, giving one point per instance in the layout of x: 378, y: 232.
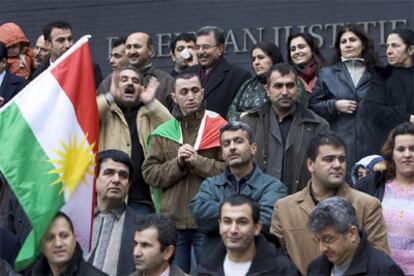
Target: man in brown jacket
x: 283, y: 128
x: 177, y: 163
x: 327, y: 164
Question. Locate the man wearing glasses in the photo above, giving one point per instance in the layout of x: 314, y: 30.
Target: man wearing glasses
x: 283, y: 128
x: 343, y: 244
x: 326, y: 155
x: 220, y: 79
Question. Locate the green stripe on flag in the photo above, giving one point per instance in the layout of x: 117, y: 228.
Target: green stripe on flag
x: 170, y: 129
x: 23, y: 163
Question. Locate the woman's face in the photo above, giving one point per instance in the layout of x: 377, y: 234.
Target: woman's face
x: 300, y: 51
x: 261, y: 62
x: 403, y: 155
x: 350, y: 45
x: 398, y: 53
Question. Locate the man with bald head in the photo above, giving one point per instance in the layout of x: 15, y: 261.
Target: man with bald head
x: 41, y: 50
x: 139, y: 49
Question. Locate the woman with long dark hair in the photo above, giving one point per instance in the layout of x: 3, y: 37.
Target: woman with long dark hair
x: 395, y: 188
x: 339, y: 94
x: 304, y: 56
x: 252, y: 93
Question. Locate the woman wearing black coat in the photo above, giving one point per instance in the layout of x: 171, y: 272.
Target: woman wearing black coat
x: 339, y: 94
x: 390, y: 100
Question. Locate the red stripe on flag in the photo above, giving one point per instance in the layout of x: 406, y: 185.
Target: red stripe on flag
x: 75, y: 76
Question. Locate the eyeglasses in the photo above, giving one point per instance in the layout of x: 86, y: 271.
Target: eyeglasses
x: 327, y: 241
x: 204, y: 47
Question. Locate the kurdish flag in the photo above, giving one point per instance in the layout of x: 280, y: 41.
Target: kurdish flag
x: 208, y: 137
x: 48, y: 144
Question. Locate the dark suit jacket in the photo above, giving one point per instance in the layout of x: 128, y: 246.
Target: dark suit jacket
x: 97, y: 73
x: 11, y: 85
x: 126, y: 263
x: 221, y: 86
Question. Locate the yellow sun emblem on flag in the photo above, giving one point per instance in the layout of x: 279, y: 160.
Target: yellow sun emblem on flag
x: 76, y: 160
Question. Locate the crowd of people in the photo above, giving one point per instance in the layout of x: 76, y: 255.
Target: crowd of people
x: 304, y: 168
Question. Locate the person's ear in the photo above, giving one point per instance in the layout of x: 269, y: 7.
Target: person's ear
x: 411, y: 50
x: 257, y: 228
x: 310, y: 164
x: 168, y: 252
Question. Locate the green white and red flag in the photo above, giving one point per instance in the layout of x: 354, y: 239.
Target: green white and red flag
x: 48, y: 144
x: 208, y: 136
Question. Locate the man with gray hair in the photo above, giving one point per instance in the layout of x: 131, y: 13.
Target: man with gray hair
x: 343, y: 244
x: 220, y: 79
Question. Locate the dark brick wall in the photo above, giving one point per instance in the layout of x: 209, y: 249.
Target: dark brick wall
x: 102, y: 19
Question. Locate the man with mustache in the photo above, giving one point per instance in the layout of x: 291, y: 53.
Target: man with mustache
x: 127, y: 115
x: 283, y: 127
x: 220, y: 79
x: 139, y: 49
x: 326, y: 161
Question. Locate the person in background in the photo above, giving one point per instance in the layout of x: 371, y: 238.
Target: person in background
x: 117, y: 60
x: 252, y: 93
x: 343, y: 243
x: 220, y: 79
x: 304, y: 56
x: 20, y: 57
x: 395, y: 188
x: 367, y: 166
x: 283, y: 128
x: 390, y: 99
x: 41, y: 51
x: 339, y: 94
x: 183, y: 52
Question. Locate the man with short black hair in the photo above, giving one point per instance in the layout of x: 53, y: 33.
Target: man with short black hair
x: 117, y: 60
x: 154, y: 245
x: 183, y: 52
x: 61, y: 254
x: 283, y: 127
x: 58, y: 35
x: 326, y: 161
x: 241, y: 176
x: 244, y: 251
x: 114, y: 222
x: 184, y: 151
x: 220, y: 79
x: 343, y: 244
x: 139, y: 49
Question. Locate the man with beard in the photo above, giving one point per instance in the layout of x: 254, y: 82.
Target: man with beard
x: 326, y: 162
x: 127, y: 116
x: 139, y: 49
x: 220, y: 79
x: 283, y: 127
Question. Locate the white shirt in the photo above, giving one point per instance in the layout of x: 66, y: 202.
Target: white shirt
x: 235, y: 269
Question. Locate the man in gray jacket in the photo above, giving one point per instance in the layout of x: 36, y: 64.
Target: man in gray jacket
x: 283, y: 128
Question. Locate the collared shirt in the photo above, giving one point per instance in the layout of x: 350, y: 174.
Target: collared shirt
x: 238, y: 184
x: 2, y: 75
x: 284, y: 123
x: 106, y: 239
